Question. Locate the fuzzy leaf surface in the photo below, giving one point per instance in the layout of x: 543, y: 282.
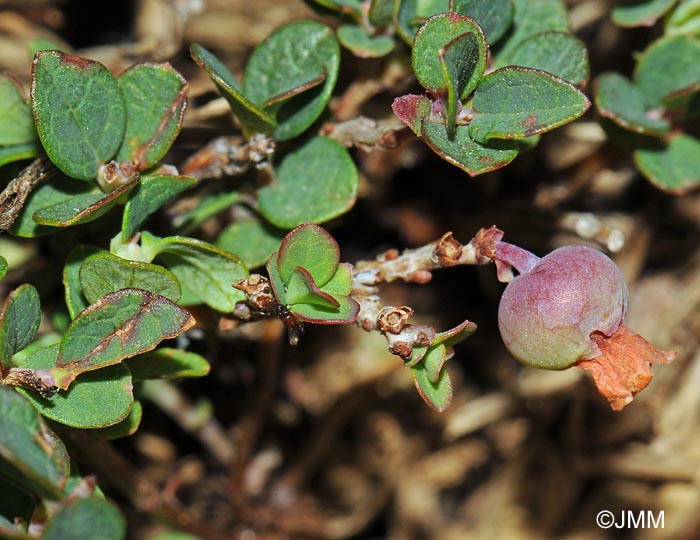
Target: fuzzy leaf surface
x: 96, y: 399
x: 119, y: 325
x: 152, y: 192
x: 103, y: 273
x: 30, y: 448
x: 515, y: 102
x: 91, y: 518
x: 362, y: 44
x: 156, y: 98
x: 252, y: 240
x: 673, y: 166
x: 619, y: 99
x: 79, y: 112
x: 203, y: 269
x: 16, y: 121
x: 463, y: 152
x: 311, y: 247
x: 531, y: 17
x: 316, y: 182
x: 253, y: 119
x: 494, y: 16
x: 285, y: 65
x: 644, y: 13
x: 465, y: 63
x: 20, y: 317
x: 167, y: 363
x: 560, y: 53
x: 669, y: 67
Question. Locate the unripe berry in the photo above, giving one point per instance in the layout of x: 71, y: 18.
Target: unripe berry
x: 548, y: 314
x: 567, y: 309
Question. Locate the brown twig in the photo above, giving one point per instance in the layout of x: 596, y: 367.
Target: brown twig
x: 416, y: 266
x: 14, y: 196
x: 230, y: 156
x: 367, y: 133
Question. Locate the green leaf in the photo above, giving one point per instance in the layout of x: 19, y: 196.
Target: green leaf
x: 252, y: 118
x: 16, y: 122
x: 436, y: 394
x: 311, y: 247
x: 346, y: 312
x: 316, y: 182
x: 75, y: 299
x: 152, y: 192
x: 79, y: 112
x: 207, y: 208
x: 34, y: 453
x: 434, y: 360
x: 381, y: 13
x: 3, y: 267
x: 87, y: 519
x: 103, y: 273
x: 204, y: 269
x: 79, y: 208
x: 341, y: 282
x: 684, y: 19
x: 458, y: 61
x: 463, y: 152
x: 455, y: 335
x: 405, y: 16
x: 644, y: 13
x: 531, y: 17
x: 620, y: 100
x: 350, y: 7
x: 673, y: 166
x: 362, y: 44
x: 278, y: 285
x: 119, y: 325
x: 412, y: 110
x: 20, y: 317
x: 292, y: 58
x: 301, y: 289
x: 10, y: 154
x: 156, y: 99
x: 668, y: 67
x: 560, y: 53
x: 251, y: 240
x: 96, y: 399
x: 494, y: 16
x: 449, y: 52
x: 515, y: 102
x: 126, y: 427
x: 166, y: 363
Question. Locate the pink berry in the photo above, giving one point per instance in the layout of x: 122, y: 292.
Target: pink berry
x: 548, y: 313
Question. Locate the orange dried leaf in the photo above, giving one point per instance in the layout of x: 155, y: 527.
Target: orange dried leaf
x: 624, y: 366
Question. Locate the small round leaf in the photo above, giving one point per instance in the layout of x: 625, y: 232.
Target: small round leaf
x: 316, y: 182
x: 467, y: 64
x: 673, y: 166
x: 311, y: 247
x: 79, y: 112
x: 96, y: 399
x: 292, y: 59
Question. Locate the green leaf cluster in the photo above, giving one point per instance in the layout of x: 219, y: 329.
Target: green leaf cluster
x: 427, y: 365
x: 479, y: 121
x: 658, y: 107
x: 287, y: 82
x: 18, y: 137
x: 80, y: 379
x: 308, y: 278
